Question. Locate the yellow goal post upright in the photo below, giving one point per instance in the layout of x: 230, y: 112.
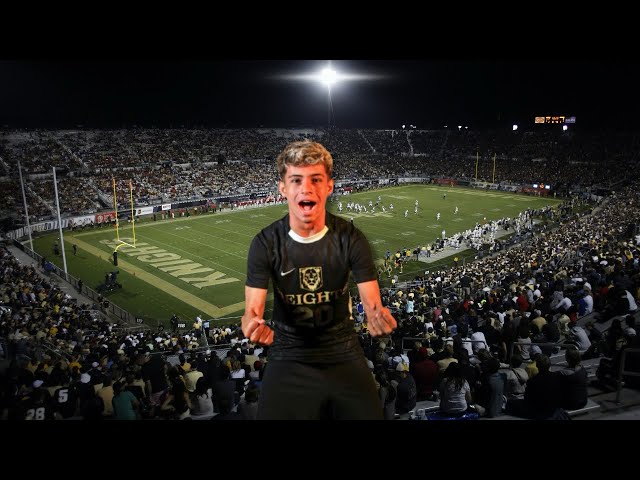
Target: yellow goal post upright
x: 133, y: 217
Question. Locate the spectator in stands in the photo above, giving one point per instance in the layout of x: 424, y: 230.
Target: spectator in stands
x: 425, y: 374
x: 515, y: 377
x: 225, y: 410
x: 578, y: 336
x: 248, y: 406
x: 309, y: 254
x: 107, y: 393
x: 224, y: 389
x: 489, y: 393
x: 574, y: 382
x: 191, y: 377
x: 177, y: 404
x: 387, y: 394
x: 154, y: 373
x: 542, y: 396
x: 532, y: 368
x: 405, y: 386
x: 455, y: 392
x: 585, y: 304
x: 202, y: 398
x: 124, y: 403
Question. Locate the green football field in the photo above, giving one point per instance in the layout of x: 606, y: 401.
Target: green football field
x: 197, y: 265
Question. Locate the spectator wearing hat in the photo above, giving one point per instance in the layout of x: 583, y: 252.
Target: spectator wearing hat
x: 83, y: 386
x: 532, y: 368
x: 425, y: 374
x: 405, y: 387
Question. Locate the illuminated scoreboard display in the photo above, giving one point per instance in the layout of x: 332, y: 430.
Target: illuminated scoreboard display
x: 557, y: 119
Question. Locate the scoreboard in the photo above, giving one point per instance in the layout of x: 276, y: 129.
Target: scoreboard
x: 556, y: 119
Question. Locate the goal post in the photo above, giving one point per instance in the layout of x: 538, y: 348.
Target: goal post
x: 133, y: 217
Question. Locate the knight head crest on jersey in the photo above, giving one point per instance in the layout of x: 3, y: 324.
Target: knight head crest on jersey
x: 311, y: 278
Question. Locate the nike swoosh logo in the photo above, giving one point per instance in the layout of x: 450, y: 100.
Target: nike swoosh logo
x: 286, y: 273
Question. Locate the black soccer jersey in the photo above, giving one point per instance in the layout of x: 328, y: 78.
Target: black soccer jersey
x: 311, y: 317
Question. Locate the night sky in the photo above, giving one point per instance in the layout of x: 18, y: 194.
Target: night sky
x: 252, y: 93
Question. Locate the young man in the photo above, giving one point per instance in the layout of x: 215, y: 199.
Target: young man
x: 316, y: 366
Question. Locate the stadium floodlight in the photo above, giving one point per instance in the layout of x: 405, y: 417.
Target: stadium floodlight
x: 565, y: 128
x: 329, y: 77
x: 514, y: 127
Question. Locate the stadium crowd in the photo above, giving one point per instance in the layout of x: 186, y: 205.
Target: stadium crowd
x: 475, y: 328
x: 179, y: 164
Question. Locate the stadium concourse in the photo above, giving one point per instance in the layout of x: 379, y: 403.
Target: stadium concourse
x: 542, y: 329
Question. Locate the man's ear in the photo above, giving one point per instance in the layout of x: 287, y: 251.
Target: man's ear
x: 330, y: 183
x: 281, y: 188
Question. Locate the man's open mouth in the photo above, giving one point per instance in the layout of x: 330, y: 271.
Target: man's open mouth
x: 307, y: 205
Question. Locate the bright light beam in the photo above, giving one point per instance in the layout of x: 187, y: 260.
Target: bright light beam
x: 328, y: 76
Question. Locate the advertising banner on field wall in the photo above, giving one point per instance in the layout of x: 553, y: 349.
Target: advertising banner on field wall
x: 105, y: 217
x: 144, y: 210
x: 412, y: 179
x: 535, y: 191
x: 83, y: 220
x: 166, y: 206
x: 446, y: 181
